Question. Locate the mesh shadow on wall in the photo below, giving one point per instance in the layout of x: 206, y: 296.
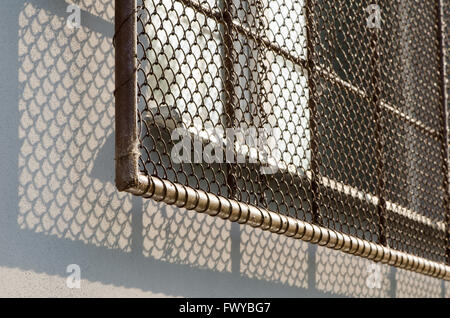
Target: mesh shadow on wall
x: 66, y: 188
x: 66, y: 159
x: 66, y: 108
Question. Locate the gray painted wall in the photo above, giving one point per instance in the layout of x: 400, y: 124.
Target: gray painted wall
x: 59, y: 205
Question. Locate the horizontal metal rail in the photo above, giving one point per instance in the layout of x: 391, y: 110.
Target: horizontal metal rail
x: 234, y: 211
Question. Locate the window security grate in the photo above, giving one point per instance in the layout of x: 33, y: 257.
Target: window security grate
x: 320, y: 120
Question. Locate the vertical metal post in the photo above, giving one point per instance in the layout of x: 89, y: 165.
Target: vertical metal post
x: 125, y: 40
x: 375, y: 96
x: 261, y: 98
x: 229, y: 123
x: 314, y: 119
x: 229, y: 85
x: 444, y: 132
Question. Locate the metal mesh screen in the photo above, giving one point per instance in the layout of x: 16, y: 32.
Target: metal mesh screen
x: 329, y: 112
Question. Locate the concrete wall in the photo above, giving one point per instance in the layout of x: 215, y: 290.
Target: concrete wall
x: 59, y: 205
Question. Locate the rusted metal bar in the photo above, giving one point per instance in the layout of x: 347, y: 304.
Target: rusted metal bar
x: 314, y: 118
x: 125, y: 40
x: 228, y: 61
x: 375, y: 97
x: 445, y: 114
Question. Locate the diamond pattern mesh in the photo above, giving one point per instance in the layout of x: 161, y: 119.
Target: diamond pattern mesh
x: 329, y: 112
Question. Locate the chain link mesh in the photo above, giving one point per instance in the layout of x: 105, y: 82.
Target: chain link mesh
x: 344, y: 99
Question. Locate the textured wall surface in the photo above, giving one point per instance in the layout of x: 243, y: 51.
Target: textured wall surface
x: 60, y: 207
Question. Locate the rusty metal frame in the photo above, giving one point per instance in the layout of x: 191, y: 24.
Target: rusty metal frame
x: 125, y: 40
x: 129, y: 179
x: 445, y: 115
x: 314, y: 120
x: 375, y: 98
